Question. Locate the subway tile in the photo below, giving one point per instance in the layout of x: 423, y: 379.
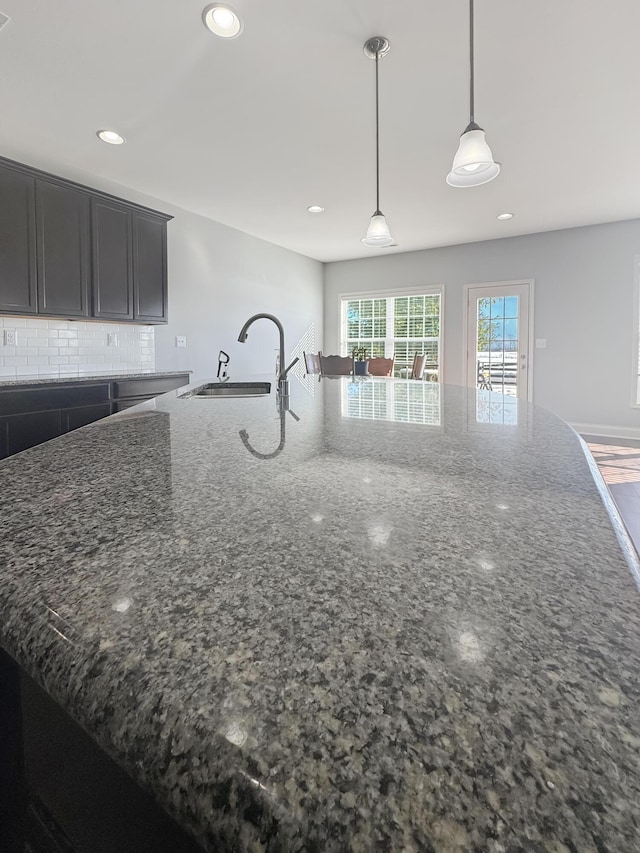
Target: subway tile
x: 4, y: 351
x: 34, y: 342
x: 59, y: 359
x: 15, y: 360
x: 47, y: 350
x: 7, y: 371
x: 47, y: 333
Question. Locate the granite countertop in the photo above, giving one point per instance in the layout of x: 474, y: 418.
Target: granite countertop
x: 44, y: 379
x: 398, y: 617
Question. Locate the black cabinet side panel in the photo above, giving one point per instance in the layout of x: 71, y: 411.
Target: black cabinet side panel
x: 63, y: 250
x: 112, y: 272
x: 17, y: 242
x: 150, y: 268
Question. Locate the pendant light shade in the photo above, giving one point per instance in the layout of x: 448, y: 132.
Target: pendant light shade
x: 473, y: 164
x: 378, y: 235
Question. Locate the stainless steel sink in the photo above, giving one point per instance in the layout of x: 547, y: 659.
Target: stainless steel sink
x: 231, y: 389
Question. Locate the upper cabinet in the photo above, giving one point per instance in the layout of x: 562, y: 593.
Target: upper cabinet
x: 62, y: 240
x: 17, y: 242
x: 69, y: 251
x: 149, y: 268
x: 112, y: 261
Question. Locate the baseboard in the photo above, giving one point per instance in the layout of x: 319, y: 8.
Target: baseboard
x: 607, y: 430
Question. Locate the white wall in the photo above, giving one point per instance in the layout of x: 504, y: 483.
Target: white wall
x: 584, y: 297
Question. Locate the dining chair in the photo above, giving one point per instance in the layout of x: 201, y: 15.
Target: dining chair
x: 336, y: 365
x: 312, y: 362
x: 419, y: 364
x: 381, y: 366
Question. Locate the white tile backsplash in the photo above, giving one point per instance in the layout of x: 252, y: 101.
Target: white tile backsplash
x: 72, y: 348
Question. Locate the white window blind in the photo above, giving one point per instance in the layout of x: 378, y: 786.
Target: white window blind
x: 402, y: 325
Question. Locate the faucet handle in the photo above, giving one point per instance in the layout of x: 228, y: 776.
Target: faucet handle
x: 283, y: 373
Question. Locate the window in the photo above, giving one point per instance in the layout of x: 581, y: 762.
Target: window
x: 396, y: 325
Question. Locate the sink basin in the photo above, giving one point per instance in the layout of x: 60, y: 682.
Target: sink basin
x: 231, y: 389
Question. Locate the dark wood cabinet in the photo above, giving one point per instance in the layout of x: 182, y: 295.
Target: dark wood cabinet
x: 26, y: 431
x: 129, y: 254
x: 69, y: 251
x: 62, y: 216
x: 30, y: 415
x: 112, y: 274
x: 17, y: 242
x: 83, y: 415
x: 149, y: 268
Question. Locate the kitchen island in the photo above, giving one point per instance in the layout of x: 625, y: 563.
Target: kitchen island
x: 399, y: 616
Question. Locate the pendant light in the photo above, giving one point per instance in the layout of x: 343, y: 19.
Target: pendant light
x: 378, y: 234
x: 473, y: 164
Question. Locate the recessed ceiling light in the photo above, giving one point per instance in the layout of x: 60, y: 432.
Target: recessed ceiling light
x: 504, y: 216
x: 315, y: 208
x: 110, y: 136
x: 222, y: 20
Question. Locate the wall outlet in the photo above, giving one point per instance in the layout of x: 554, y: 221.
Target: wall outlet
x: 9, y: 337
x: 112, y: 339
x: 181, y: 340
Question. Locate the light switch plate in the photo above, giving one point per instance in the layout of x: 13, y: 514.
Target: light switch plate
x: 9, y: 337
x: 181, y: 340
x: 112, y: 339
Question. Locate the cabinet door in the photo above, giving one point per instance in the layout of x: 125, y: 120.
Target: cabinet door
x: 17, y: 242
x: 75, y: 418
x: 63, y: 250
x: 149, y: 268
x: 28, y: 430
x: 112, y: 274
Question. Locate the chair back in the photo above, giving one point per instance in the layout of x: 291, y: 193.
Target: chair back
x: 312, y: 362
x: 336, y: 365
x: 419, y: 364
x: 381, y: 366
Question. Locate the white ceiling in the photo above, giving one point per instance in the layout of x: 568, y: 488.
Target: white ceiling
x: 251, y: 131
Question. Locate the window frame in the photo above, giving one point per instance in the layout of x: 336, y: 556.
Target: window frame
x: 395, y: 293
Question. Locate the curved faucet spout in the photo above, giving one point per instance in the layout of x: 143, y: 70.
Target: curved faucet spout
x: 283, y: 371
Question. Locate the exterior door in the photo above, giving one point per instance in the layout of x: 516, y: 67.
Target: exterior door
x: 499, y: 337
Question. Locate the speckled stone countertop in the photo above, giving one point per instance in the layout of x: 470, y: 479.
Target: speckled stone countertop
x: 43, y: 379
x: 395, y: 618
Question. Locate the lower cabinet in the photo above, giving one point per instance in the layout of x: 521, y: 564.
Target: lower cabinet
x: 76, y: 418
x: 26, y: 431
x: 30, y: 415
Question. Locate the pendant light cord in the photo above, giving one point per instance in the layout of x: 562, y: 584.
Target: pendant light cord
x: 378, y: 144
x: 472, y: 105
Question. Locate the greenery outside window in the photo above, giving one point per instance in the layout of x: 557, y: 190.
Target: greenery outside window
x: 402, y: 325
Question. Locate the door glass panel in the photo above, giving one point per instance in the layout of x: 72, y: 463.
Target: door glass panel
x: 497, y: 344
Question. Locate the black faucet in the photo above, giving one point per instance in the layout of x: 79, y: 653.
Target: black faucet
x: 283, y: 382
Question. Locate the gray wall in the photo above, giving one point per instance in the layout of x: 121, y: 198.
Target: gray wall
x: 584, y: 301
x: 218, y: 278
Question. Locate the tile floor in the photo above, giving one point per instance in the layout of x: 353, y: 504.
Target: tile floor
x: 618, y: 460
